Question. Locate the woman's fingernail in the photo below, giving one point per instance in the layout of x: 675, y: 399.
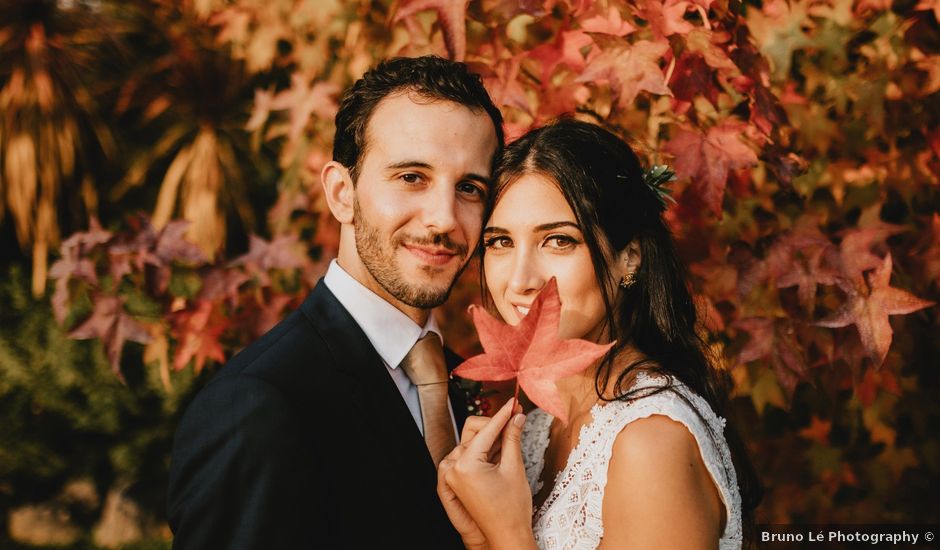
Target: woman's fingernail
x: 519, y: 420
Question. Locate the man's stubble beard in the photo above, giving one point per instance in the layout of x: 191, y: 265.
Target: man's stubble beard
x: 378, y: 257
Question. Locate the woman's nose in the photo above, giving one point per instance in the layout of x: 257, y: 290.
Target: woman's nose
x: 527, y: 276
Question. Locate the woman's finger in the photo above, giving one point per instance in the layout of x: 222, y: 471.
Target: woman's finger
x: 482, y: 443
x: 471, y: 426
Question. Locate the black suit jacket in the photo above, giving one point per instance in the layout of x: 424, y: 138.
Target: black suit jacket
x: 303, y: 441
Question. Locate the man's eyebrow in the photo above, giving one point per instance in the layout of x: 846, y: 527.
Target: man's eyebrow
x: 408, y: 164
x: 419, y: 164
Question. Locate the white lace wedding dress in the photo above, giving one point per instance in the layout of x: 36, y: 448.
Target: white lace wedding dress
x: 570, y: 518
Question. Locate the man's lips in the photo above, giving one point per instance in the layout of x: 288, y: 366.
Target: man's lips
x: 431, y: 254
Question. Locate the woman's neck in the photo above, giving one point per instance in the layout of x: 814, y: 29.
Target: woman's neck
x: 579, y: 391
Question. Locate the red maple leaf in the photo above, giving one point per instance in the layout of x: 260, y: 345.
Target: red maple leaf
x: 502, y: 82
x: 198, y: 332
x: 612, y: 23
x: 930, y: 5
x: 869, y: 311
x: 807, y: 275
x: 665, y: 17
x: 629, y: 68
x: 281, y: 253
x: 565, y: 50
x: 775, y: 339
x: 928, y: 250
x: 709, y: 158
x: 113, y: 326
x: 530, y: 352
x: 75, y: 265
x: 452, y: 15
x: 856, y: 254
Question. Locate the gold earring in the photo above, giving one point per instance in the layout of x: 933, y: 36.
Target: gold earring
x: 628, y: 280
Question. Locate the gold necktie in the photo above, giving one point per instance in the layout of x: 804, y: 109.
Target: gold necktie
x: 424, y: 365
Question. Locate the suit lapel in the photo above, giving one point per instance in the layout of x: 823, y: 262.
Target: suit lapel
x: 373, y: 391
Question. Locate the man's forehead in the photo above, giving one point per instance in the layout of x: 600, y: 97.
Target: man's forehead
x: 410, y: 124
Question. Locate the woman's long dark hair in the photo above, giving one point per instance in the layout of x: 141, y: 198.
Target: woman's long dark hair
x: 602, y: 180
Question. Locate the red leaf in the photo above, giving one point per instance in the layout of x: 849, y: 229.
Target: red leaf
x: 629, y: 68
x: 869, y: 311
x: 931, y: 5
x: 531, y: 352
x: 198, y: 333
x: 612, y: 23
x: 775, y: 339
x: 708, y: 159
x: 113, y: 326
x: 665, y: 17
x: 565, y: 50
x: 262, y: 256
x: 452, y: 16
x: 856, y: 255
x: 74, y: 265
x: 928, y: 250
x: 503, y: 84
x: 692, y: 77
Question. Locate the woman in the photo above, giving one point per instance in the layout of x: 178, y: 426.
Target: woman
x: 643, y: 461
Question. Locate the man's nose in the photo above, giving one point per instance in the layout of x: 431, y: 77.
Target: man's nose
x: 439, y: 209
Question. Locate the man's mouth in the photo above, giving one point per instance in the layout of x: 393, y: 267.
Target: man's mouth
x: 433, y: 255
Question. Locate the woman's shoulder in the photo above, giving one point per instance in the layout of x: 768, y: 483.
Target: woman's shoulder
x: 661, y: 433
x: 653, y: 393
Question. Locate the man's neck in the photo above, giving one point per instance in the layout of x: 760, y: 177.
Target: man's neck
x: 356, y: 270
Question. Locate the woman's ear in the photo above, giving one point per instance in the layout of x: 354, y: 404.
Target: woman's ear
x: 628, y: 263
x: 339, y: 191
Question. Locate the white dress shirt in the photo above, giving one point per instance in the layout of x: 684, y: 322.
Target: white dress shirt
x: 389, y: 330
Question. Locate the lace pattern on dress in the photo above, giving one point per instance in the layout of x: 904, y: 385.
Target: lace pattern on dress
x: 570, y: 518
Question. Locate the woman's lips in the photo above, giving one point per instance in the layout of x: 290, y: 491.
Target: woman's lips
x: 431, y: 255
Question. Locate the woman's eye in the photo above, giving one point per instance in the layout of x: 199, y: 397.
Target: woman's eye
x: 560, y: 242
x: 497, y: 242
x: 411, y: 178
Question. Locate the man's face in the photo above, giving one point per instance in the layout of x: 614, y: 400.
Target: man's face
x: 420, y: 195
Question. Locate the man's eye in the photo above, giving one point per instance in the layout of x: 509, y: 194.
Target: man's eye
x: 470, y: 189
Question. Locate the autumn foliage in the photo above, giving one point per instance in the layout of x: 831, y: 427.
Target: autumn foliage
x: 805, y: 134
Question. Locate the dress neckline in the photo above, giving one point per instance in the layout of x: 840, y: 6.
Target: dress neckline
x: 577, y: 450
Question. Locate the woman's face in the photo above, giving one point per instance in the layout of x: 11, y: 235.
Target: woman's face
x: 531, y: 237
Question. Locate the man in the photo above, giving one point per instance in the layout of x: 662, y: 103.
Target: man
x: 326, y: 432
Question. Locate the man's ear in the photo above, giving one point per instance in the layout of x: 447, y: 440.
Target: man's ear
x: 629, y: 259
x: 339, y: 191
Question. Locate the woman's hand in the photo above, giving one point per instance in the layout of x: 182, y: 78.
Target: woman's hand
x: 469, y: 531
x: 484, y: 484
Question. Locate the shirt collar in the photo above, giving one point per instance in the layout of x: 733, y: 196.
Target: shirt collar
x: 391, y: 332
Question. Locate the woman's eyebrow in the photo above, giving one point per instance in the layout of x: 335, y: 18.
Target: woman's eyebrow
x: 544, y: 227
x: 556, y: 225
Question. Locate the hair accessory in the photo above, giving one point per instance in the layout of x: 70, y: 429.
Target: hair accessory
x: 628, y: 279
x: 656, y: 177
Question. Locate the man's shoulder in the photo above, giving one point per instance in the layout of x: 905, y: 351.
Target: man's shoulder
x: 293, y: 350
